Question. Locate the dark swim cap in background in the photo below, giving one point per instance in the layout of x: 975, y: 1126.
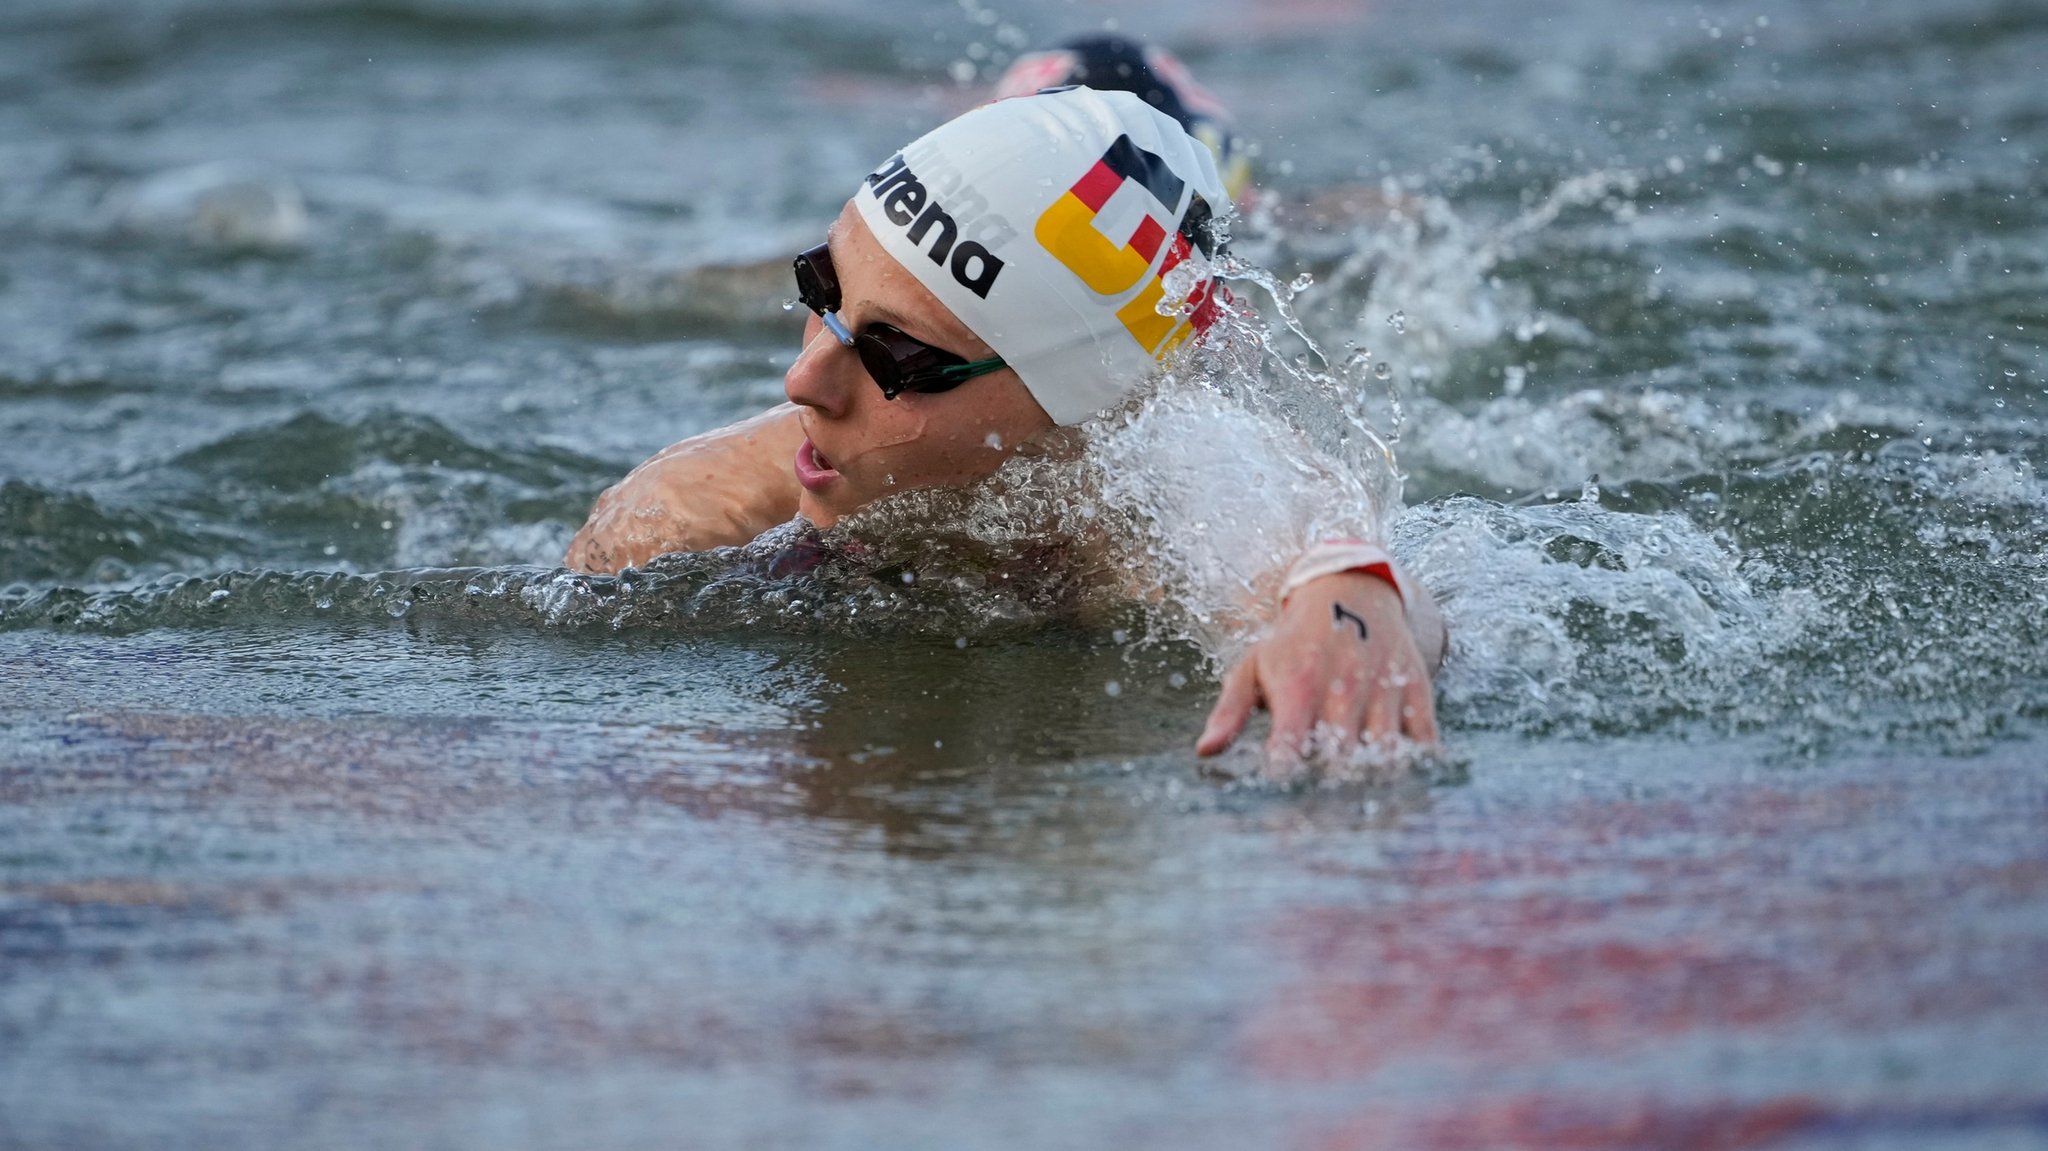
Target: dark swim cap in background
x: 1117, y: 64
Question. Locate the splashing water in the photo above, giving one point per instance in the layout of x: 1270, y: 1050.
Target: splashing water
x: 1251, y: 443
x: 1193, y: 496
x: 329, y: 804
x: 1181, y: 505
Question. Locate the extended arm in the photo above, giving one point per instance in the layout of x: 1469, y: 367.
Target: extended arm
x: 717, y: 489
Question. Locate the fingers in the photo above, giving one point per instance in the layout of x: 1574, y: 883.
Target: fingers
x: 1345, y: 705
x: 1233, y: 708
x: 1294, y: 706
x: 1378, y: 699
x: 1383, y: 713
x: 1393, y: 706
x: 1418, y: 713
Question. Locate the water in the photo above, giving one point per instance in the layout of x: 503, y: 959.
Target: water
x: 1709, y: 345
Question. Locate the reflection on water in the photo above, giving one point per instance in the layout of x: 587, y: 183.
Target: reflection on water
x: 1708, y: 343
x: 800, y: 931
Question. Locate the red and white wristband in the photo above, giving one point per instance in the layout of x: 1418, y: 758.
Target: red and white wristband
x: 1334, y: 557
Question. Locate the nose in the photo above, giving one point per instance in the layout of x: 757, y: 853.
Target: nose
x: 821, y: 377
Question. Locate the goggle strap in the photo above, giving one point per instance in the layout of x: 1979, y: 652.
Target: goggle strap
x: 950, y: 375
x: 960, y: 373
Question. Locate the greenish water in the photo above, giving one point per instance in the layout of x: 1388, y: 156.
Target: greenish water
x: 332, y: 815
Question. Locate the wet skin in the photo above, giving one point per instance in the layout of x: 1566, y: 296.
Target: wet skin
x: 728, y: 486
x: 873, y: 446
x: 1344, y: 660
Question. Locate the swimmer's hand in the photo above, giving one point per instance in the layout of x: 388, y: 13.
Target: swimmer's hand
x: 1341, y: 664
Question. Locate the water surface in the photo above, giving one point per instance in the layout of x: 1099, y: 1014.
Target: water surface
x: 332, y: 815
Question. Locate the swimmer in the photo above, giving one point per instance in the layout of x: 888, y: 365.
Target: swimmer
x: 966, y: 305
x: 1152, y: 74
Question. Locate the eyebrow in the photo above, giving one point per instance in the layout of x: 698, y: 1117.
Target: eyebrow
x: 876, y: 310
x: 888, y: 315
x: 885, y: 314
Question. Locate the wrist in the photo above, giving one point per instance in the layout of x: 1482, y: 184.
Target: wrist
x: 1342, y: 557
x: 1362, y: 591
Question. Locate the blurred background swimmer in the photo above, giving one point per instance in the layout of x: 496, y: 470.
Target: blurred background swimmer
x: 1112, y: 63
x: 1291, y: 230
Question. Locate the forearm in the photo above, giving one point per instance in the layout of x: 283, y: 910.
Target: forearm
x: 717, y: 489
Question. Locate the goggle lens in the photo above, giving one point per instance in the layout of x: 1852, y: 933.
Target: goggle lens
x: 896, y: 361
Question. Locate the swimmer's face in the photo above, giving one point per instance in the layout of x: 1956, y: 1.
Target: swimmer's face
x: 862, y: 446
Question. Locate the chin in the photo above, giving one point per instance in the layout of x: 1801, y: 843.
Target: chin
x: 827, y: 508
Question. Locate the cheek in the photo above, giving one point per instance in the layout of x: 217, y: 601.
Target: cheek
x: 886, y: 439
x: 901, y: 426
x: 953, y: 452
x: 918, y: 449
x: 925, y: 444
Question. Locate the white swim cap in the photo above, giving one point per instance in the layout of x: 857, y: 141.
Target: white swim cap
x: 1047, y: 224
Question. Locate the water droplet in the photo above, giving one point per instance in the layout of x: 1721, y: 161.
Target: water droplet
x: 994, y: 440
x: 960, y: 641
x: 1176, y: 680
x: 1112, y: 689
x: 2010, y: 374
x: 1301, y: 283
x: 1399, y: 322
x: 789, y: 305
x: 1382, y: 371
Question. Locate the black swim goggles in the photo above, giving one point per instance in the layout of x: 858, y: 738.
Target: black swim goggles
x: 898, y: 362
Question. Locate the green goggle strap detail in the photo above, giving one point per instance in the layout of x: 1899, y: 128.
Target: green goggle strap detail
x: 961, y: 373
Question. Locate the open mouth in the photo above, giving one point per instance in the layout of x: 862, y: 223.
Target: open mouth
x: 813, y: 470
